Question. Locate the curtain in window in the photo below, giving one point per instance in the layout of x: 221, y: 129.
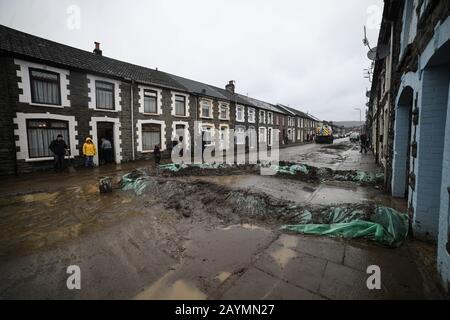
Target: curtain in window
x: 41, y: 134
x: 104, y: 95
x: 151, y: 136
x: 180, y: 106
x: 150, y: 104
x: 44, y: 91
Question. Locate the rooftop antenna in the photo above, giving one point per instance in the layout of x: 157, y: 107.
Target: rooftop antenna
x: 375, y: 53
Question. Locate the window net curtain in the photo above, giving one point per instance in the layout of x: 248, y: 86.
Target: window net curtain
x: 151, y: 136
x: 45, y: 92
x: 104, y: 96
x: 150, y: 104
x: 39, y: 139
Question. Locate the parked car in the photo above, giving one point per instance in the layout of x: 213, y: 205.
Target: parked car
x: 354, y: 137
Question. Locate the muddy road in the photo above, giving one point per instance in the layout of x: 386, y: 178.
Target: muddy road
x: 195, y: 237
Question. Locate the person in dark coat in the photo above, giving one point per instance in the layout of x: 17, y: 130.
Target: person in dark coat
x: 59, y: 149
x: 363, y: 141
x: 157, y: 154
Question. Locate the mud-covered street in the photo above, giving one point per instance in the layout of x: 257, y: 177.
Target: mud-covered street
x: 202, y: 234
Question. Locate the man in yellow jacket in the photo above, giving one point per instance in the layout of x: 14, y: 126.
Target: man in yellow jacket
x: 89, y: 152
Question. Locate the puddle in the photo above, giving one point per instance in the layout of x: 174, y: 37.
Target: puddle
x: 222, y: 276
x: 285, y: 252
x: 283, y: 255
x: 179, y: 290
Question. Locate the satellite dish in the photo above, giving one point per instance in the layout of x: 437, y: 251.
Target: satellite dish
x: 378, y: 53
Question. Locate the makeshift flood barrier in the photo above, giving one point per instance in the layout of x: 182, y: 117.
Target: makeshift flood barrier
x: 291, y: 169
x: 360, y: 176
x: 386, y: 226
x: 136, y: 180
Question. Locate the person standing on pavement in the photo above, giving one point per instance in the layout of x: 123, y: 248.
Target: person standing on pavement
x: 363, y: 141
x: 59, y: 149
x: 89, y: 152
x: 157, y: 154
x: 106, y: 150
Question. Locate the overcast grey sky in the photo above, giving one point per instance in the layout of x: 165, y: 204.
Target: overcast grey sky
x: 306, y: 54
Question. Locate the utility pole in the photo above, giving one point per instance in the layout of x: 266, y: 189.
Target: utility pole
x: 360, y: 125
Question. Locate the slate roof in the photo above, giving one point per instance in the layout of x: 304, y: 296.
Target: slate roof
x: 27, y: 45
x: 198, y: 87
x: 261, y: 104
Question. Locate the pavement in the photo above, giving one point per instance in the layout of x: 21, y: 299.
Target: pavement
x: 137, y: 247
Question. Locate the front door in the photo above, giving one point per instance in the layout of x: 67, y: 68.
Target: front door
x: 104, y: 130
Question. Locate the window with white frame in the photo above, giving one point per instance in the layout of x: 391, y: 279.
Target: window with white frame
x: 277, y: 120
x: 180, y: 105
x: 206, y: 109
x: 262, y: 135
x: 224, y: 136
x: 262, y: 116
x: 41, y: 133
x: 289, y: 121
x: 45, y: 87
x: 252, y: 137
x: 240, y: 113
x: 239, y: 133
x: 224, y: 111
x: 270, y: 136
x: 269, y: 118
x: 151, y: 136
x: 251, y: 115
x: 104, y: 95
x: 207, y: 133
x: 150, y: 101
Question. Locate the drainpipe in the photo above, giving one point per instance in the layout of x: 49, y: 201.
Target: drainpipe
x: 132, y: 120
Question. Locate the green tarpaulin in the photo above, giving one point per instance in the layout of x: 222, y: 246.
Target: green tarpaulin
x: 386, y: 226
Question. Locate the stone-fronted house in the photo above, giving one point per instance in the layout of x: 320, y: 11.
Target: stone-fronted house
x: 47, y: 88
x: 409, y: 116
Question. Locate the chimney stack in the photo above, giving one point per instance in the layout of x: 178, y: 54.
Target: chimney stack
x: 230, y: 86
x: 97, y: 48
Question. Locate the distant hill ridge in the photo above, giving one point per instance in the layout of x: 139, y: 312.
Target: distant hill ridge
x: 348, y: 124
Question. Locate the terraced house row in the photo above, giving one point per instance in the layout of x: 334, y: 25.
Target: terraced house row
x: 47, y: 88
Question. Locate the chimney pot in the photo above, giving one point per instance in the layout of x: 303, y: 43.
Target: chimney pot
x: 97, y: 48
x: 230, y: 86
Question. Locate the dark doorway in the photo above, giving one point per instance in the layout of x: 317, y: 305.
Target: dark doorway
x: 105, y: 130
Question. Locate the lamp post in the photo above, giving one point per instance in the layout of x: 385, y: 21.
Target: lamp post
x: 359, y: 119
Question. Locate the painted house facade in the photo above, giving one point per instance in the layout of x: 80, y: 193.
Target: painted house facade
x: 409, y: 116
x: 47, y: 88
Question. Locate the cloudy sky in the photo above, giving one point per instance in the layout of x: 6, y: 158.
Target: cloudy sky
x: 305, y: 54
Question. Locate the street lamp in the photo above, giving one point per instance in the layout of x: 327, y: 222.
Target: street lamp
x: 360, y: 125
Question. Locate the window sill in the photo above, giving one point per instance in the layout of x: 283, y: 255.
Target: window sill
x: 151, y: 114
x: 46, y: 105
x: 45, y: 159
x: 202, y: 117
x: 180, y: 116
x: 106, y: 110
x: 147, y: 151
x: 240, y: 120
x: 224, y: 119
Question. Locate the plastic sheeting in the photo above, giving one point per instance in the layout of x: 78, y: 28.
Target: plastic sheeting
x: 135, y: 180
x: 361, y: 176
x: 292, y: 169
x: 386, y: 226
x: 177, y: 167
